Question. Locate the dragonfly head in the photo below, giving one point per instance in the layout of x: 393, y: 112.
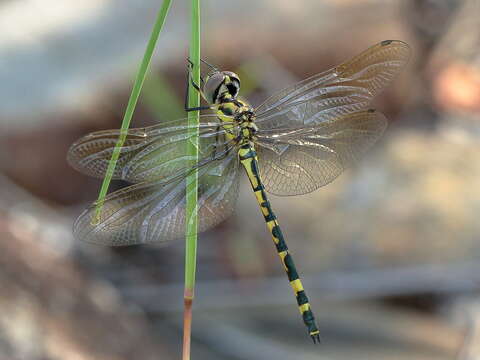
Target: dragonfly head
x: 220, y: 85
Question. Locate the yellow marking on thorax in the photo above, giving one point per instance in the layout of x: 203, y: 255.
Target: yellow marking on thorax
x: 228, y: 127
x: 230, y: 107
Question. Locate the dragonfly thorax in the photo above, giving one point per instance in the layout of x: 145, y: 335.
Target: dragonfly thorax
x: 240, y: 112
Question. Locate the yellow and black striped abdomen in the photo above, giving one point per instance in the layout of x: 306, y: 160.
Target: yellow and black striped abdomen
x: 248, y: 158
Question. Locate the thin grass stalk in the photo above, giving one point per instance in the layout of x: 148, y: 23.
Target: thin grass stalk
x: 192, y: 181
x: 132, y: 102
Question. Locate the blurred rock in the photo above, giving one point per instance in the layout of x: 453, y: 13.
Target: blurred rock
x: 52, y: 308
x: 348, y: 331
x: 457, y: 88
x: 465, y: 311
x: 461, y: 40
x: 427, y: 18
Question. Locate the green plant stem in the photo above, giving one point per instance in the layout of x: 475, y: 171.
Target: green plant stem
x: 192, y: 181
x: 192, y: 149
x: 132, y: 102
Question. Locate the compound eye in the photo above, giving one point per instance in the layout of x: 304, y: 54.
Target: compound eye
x: 232, y: 75
x: 212, y: 87
x: 234, y: 78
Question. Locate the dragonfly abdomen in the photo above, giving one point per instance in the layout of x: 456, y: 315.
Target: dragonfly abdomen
x: 249, y: 160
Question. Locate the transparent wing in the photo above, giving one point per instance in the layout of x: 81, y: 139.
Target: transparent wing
x: 154, y: 212
x: 155, y: 152
x: 301, y: 159
x: 344, y: 89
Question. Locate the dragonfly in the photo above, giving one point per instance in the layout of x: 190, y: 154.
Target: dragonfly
x: 295, y: 142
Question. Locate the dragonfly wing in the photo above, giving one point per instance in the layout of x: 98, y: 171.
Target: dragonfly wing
x: 151, y: 153
x: 344, y: 89
x: 154, y: 212
x: 302, y: 159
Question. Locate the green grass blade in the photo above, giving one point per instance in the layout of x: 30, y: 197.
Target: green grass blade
x: 192, y: 180
x: 192, y: 183
x: 132, y: 102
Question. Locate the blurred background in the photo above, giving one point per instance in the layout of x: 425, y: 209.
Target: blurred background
x: 389, y: 252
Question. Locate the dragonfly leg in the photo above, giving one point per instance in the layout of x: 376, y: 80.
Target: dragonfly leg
x: 195, y: 86
x: 248, y: 158
x: 214, y: 68
x: 216, y: 142
x: 226, y: 149
x: 221, y: 155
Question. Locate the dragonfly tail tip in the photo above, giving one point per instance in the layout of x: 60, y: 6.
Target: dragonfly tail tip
x: 315, y: 338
